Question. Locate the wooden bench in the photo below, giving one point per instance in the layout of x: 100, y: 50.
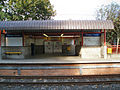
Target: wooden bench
x: 13, y: 53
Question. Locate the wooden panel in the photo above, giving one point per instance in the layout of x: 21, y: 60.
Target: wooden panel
x: 8, y: 72
x: 52, y: 72
x: 101, y: 71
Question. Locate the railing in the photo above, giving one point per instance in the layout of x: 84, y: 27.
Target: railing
x: 114, y: 48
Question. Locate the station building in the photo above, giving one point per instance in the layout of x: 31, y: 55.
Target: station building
x: 27, y: 39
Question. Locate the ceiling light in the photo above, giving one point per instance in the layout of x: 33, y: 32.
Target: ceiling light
x: 62, y: 35
x: 45, y: 35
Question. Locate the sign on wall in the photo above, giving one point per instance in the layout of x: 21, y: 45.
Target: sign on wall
x: 13, y: 41
x: 91, y: 41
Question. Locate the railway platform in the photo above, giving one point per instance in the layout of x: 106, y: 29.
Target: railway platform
x: 59, y: 65
x: 60, y: 59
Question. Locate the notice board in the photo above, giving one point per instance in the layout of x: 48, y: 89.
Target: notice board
x: 91, y: 41
x: 14, y: 41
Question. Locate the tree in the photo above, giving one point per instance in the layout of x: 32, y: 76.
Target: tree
x: 3, y: 9
x: 28, y: 9
x: 111, y: 12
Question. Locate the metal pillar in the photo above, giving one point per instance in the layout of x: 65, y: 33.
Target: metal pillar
x: 0, y: 38
x: 105, y: 47
x: 104, y: 37
x: 82, y: 37
x: 23, y: 38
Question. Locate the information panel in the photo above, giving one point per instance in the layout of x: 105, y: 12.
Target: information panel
x: 91, y: 41
x: 13, y: 41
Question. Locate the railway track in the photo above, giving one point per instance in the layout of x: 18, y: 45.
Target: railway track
x: 59, y: 76
x: 60, y: 80
x: 62, y: 83
x: 62, y: 77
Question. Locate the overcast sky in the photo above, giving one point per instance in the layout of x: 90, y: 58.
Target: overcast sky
x: 78, y: 9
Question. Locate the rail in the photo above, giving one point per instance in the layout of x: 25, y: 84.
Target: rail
x: 63, y: 83
x: 62, y: 77
x: 61, y: 80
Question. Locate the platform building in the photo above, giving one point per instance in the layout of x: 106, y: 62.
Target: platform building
x: 29, y: 39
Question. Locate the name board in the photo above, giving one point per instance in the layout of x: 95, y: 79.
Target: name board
x: 13, y: 35
x: 92, y: 35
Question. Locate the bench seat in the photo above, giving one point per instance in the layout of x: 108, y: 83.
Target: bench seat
x: 13, y: 53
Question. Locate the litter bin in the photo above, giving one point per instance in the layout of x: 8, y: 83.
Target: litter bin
x: 109, y: 50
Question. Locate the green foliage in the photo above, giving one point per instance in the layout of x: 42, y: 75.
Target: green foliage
x: 26, y: 9
x: 108, y: 12
x: 3, y: 13
x: 111, y: 12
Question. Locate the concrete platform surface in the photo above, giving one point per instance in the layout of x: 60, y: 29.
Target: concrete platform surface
x: 59, y: 59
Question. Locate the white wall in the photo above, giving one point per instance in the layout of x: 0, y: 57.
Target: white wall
x: 90, y: 52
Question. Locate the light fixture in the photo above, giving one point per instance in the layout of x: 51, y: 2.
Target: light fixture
x: 62, y: 35
x: 70, y: 36
x: 45, y: 35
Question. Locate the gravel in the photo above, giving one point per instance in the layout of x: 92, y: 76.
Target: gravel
x: 61, y: 87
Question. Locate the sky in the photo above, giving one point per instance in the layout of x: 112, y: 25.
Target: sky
x: 78, y: 9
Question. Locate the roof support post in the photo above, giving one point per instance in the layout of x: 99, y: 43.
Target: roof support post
x: 23, y: 38
x: 0, y: 38
x: 104, y: 37
x: 82, y: 37
x: 74, y: 41
x: 105, y: 47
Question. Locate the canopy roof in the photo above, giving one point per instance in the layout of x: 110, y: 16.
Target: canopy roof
x: 56, y: 24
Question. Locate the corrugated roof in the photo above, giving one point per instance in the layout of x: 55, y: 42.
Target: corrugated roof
x: 56, y: 24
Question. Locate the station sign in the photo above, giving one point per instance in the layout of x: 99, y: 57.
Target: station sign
x: 92, y: 35
x: 13, y: 35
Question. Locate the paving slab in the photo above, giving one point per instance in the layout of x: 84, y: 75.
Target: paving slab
x: 60, y: 59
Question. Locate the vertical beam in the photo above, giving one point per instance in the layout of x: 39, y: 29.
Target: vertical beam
x: 23, y: 38
x: 105, y: 47
x: 0, y: 38
x: 104, y: 37
x: 101, y: 30
x: 82, y: 37
x: 74, y: 38
x: 4, y: 40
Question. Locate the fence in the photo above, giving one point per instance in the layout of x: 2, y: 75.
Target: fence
x: 114, y: 48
